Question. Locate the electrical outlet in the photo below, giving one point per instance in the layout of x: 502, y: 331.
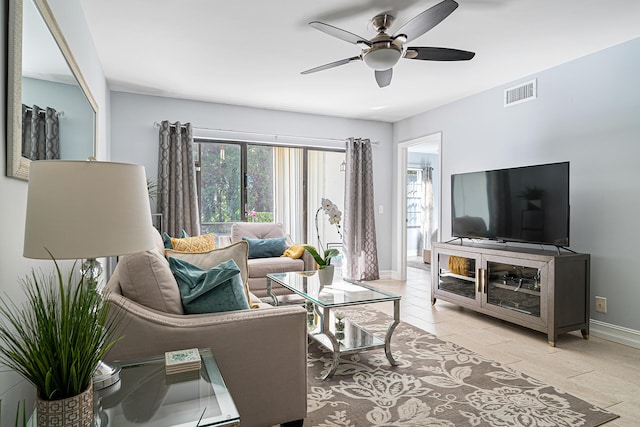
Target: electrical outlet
x: 601, y: 304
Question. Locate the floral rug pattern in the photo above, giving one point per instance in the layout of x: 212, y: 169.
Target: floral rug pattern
x: 436, y: 384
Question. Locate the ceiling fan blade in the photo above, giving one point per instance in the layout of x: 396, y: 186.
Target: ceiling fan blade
x: 338, y: 32
x: 331, y: 65
x: 438, y: 54
x: 427, y: 20
x: 384, y: 77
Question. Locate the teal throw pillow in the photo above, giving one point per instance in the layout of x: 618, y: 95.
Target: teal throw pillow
x: 266, y: 248
x: 209, y: 291
x: 167, y: 239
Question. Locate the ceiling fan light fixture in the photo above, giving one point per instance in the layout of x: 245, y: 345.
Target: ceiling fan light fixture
x: 382, y: 59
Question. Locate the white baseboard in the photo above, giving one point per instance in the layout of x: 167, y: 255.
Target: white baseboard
x: 614, y: 333
x: 386, y: 274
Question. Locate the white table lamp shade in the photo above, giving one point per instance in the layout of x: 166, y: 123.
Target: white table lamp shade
x: 86, y: 209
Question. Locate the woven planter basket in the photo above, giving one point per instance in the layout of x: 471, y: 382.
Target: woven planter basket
x: 76, y: 411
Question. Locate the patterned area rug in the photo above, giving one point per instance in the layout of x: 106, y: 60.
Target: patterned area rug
x: 436, y: 383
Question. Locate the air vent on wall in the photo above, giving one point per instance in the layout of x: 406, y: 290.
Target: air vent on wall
x: 521, y: 93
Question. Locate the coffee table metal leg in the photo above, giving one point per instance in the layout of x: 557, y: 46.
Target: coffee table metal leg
x: 334, y: 343
x: 270, y: 292
x: 392, y: 327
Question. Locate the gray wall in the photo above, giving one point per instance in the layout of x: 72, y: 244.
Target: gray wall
x: 13, y: 193
x: 134, y: 138
x: 587, y: 112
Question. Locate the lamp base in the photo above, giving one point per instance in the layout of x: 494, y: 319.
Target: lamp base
x: 105, y: 375
x: 92, y: 270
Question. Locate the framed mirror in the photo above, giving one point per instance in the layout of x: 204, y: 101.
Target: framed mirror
x: 51, y: 113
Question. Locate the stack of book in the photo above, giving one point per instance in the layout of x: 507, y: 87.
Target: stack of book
x: 180, y: 361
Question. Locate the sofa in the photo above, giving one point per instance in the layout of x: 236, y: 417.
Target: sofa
x: 261, y: 351
x: 260, y: 267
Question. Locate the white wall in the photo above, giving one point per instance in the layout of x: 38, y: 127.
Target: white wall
x: 134, y: 138
x: 587, y: 112
x: 13, y: 266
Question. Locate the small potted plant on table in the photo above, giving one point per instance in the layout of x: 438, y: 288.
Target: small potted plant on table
x: 325, y: 269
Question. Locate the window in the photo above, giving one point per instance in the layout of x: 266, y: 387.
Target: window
x: 415, y: 196
x: 239, y: 181
x: 219, y: 175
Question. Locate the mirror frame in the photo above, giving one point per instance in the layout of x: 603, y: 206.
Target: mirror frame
x: 18, y: 166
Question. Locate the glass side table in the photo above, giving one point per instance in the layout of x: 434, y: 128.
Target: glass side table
x: 147, y: 396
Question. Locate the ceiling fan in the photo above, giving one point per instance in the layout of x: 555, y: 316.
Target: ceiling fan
x: 383, y: 51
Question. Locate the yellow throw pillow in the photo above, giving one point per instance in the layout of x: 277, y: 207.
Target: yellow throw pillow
x: 203, y: 243
x: 295, y: 251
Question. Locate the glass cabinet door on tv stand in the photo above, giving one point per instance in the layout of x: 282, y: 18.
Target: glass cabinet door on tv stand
x: 515, y: 287
x: 457, y: 276
x: 511, y: 287
x: 540, y: 289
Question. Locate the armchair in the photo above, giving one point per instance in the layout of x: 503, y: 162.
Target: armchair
x: 261, y: 352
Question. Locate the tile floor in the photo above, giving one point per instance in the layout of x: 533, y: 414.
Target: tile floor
x: 601, y: 372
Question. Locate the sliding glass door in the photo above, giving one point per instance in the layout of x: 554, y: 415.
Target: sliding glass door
x: 259, y: 206
x: 219, y: 177
x: 325, y: 180
x: 239, y: 181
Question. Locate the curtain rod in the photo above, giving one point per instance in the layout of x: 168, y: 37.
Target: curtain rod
x: 43, y: 111
x: 260, y: 134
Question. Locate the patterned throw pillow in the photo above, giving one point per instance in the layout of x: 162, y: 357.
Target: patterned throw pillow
x: 166, y: 239
x: 203, y: 243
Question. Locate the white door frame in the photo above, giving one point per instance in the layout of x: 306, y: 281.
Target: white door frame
x: 401, y: 199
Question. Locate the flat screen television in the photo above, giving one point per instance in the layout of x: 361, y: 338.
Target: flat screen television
x: 525, y: 204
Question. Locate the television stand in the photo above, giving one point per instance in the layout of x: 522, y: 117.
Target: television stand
x: 541, y: 289
x: 456, y: 238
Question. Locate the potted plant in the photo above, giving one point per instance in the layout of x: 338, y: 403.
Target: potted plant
x: 323, y: 258
x: 55, y: 341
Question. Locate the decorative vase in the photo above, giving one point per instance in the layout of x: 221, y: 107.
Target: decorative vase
x: 76, y: 411
x: 326, y: 275
x: 311, y: 316
x: 339, y: 329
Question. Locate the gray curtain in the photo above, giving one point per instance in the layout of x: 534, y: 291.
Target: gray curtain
x: 40, y: 133
x: 177, y: 191
x: 359, y: 213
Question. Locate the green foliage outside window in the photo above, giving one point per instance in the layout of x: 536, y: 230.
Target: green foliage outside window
x: 221, y: 181
x: 260, y: 181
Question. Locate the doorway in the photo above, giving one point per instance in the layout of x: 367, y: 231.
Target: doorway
x: 418, y: 201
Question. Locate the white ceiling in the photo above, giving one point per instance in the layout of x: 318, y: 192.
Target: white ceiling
x: 252, y: 52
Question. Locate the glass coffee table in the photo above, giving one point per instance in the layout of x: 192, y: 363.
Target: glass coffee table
x: 147, y: 396
x: 324, y: 321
